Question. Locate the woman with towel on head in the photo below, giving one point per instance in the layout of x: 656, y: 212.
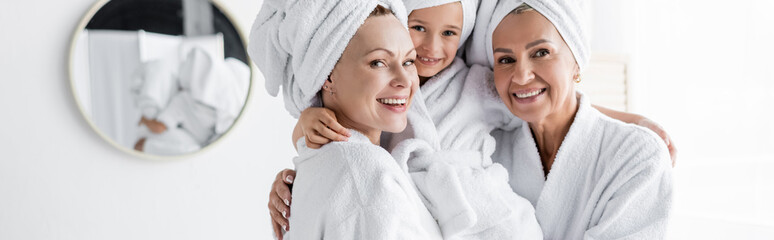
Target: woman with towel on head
x: 462, y: 108
x: 589, y: 176
x: 356, y: 58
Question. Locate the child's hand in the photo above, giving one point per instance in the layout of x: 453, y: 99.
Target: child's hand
x: 154, y: 125
x: 655, y: 127
x: 319, y: 127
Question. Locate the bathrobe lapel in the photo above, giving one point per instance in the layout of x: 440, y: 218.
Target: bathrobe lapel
x: 569, y: 171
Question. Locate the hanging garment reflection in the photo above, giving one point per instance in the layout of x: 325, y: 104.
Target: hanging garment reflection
x: 184, y: 110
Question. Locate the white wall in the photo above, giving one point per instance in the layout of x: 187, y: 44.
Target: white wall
x: 60, y: 180
x: 703, y: 69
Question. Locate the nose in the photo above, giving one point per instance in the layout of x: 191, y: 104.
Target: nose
x: 431, y: 44
x: 522, y: 73
x: 403, y: 78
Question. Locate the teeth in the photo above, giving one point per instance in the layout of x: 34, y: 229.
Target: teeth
x: 529, y: 94
x: 428, y: 59
x: 392, y: 101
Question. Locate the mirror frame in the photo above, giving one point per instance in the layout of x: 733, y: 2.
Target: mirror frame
x: 70, y: 72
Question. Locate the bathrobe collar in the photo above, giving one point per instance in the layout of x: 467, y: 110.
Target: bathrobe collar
x: 564, y: 160
x: 305, y: 153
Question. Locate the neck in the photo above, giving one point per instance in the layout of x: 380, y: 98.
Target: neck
x: 550, y: 131
x: 423, y: 80
x: 374, y: 135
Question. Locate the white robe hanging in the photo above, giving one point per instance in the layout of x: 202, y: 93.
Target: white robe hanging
x: 609, y: 180
x: 355, y: 190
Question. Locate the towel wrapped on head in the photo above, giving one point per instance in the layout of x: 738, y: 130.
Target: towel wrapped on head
x: 296, y: 43
x: 469, y: 8
x: 566, y: 15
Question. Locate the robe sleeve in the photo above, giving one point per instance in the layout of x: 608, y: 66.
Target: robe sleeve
x: 640, y: 197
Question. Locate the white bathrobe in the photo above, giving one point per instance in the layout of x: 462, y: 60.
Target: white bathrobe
x: 447, y: 148
x: 609, y: 180
x: 355, y: 190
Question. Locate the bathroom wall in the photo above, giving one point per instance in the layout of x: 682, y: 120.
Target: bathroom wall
x: 60, y: 180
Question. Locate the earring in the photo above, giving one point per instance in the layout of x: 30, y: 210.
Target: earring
x: 577, y: 78
x: 329, y: 90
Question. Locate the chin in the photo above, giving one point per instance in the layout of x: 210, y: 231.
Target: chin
x: 529, y: 115
x: 427, y: 72
x: 395, y: 126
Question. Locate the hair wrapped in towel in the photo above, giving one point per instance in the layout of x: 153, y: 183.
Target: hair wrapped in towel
x: 469, y: 8
x: 566, y: 15
x: 296, y: 43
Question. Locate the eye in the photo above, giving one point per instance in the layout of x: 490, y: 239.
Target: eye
x: 506, y: 60
x: 448, y: 33
x: 377, y: 63
x: 418, y: 28
x: 408, y: 63
x: 541, y: 53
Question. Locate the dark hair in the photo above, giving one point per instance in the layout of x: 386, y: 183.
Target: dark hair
x: 521, y: 9
x: 380, y: 11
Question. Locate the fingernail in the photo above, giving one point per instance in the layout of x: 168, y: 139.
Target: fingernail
x: 284, y: 215
x: 285, y: 227
x: 289, y: 179
x: 287, y: 202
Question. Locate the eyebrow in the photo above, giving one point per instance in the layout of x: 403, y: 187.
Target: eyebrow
x: 536, y: 42
x: 448, y: 26
x: 381, y: 49
x: 454, y: 27
x: 409, y: 52
x: 503, y: 50
x: 529, y: 45
x: 389, y: 52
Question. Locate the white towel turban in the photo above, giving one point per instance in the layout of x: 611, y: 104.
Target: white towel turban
x: 469, y: 8
x: 296, y: 43
x: 565, y: 15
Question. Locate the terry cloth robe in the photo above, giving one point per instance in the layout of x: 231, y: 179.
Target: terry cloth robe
x: 609, y: 180
x: 467, y: 194
x: 355, y: 190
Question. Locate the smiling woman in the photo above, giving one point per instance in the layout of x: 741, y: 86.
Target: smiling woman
x: 353, y: 189
x: 589, y: 176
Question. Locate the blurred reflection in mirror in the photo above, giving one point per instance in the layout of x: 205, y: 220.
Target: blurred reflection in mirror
x: 163, y: 77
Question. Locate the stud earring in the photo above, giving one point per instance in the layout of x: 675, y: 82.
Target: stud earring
x: 577, y: 79
x: 329, y: 90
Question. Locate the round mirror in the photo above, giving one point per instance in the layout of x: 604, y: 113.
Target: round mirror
x: 159, y: 77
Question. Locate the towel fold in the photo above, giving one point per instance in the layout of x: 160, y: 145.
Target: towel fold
x: 296, y: 43
x: 219, y: 84
x: 566, y: 15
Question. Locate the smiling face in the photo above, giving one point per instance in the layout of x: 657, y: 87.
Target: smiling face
x: 534, y: 68
x: 436, y: 32
x: 375, y: 79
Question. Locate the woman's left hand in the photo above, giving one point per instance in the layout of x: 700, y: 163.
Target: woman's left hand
x: 655, y: 127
